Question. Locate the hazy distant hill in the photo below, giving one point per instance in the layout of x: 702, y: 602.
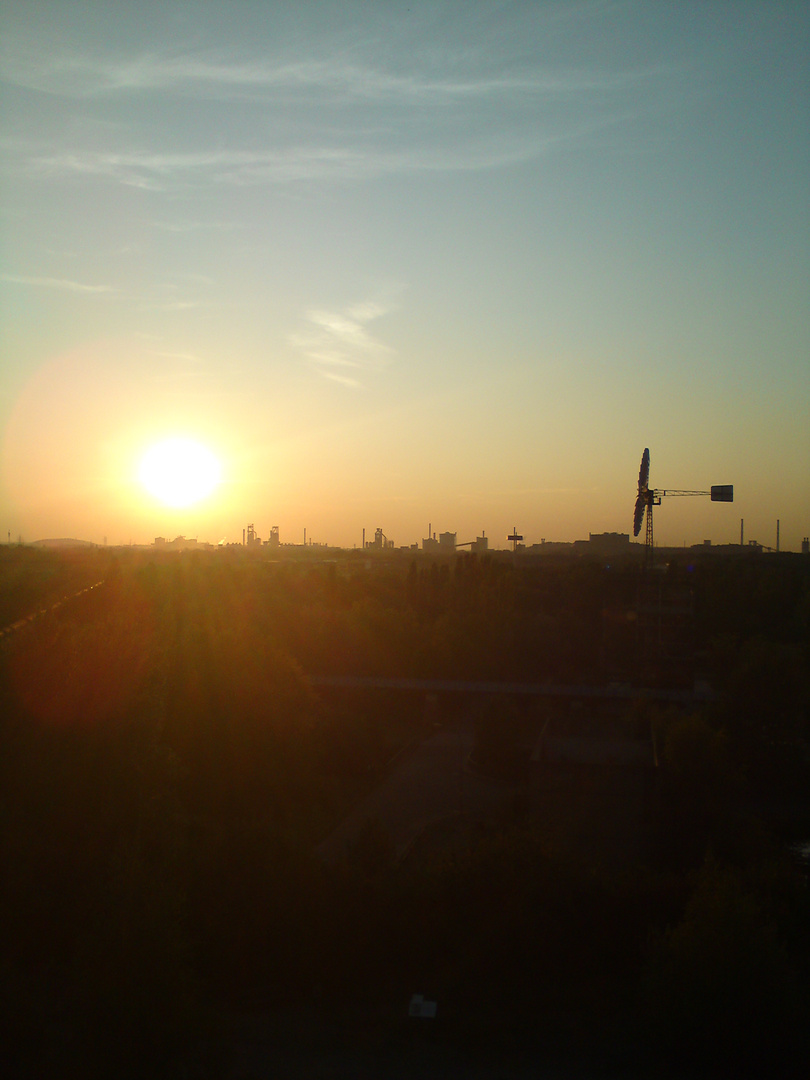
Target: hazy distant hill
x: 63, y: 542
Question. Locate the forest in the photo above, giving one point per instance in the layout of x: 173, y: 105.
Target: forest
x: 181, y: 732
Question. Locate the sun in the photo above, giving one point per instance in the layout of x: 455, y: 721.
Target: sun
x: 179, y: 472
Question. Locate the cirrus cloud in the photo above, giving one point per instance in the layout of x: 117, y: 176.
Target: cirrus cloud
x: 339, y: 345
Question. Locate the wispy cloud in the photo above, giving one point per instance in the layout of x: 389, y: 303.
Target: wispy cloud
x: 171, y: 305
x: 192, y: 357
x: 240, y: 168
x: 339, y: 345
x: 194, y: 226
x: 57, y: 283
x: 217, y: 74
x: 334, y: 119
x: 157, y: 171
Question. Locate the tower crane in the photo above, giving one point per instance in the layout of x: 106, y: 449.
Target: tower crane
x: 649, y: 497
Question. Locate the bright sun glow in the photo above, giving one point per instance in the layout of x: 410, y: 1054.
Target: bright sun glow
x: 179, y: 472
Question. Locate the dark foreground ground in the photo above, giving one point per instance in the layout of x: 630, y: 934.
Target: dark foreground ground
x: 211, y: 868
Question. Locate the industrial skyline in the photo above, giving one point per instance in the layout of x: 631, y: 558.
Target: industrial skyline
x: 443, y: 543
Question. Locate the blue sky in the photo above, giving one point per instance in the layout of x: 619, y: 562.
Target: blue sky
x: 400, y: 263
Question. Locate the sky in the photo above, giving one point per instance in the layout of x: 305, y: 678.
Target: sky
x: 405, y: 265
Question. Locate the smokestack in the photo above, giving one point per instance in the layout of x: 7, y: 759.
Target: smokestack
x: 741, y: 531
x: 364, y: 539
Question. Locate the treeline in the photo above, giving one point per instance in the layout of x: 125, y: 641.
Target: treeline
x: 167, y: 770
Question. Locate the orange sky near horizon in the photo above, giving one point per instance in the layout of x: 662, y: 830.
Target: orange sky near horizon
x: 67, y: 452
